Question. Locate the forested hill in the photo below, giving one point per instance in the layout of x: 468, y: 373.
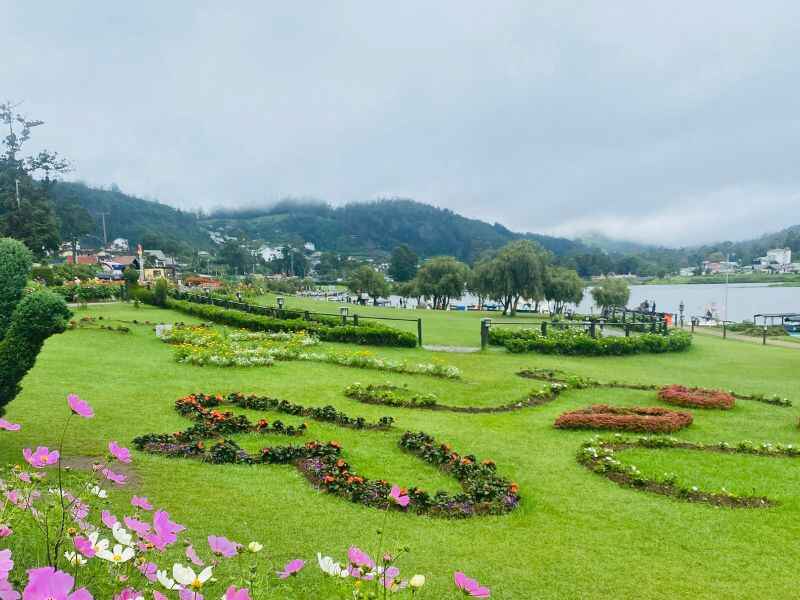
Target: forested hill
x: 377, y: 226
x: 150, y: 223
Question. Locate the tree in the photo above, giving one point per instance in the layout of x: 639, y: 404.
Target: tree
x: 611, y: 292
x: 483, y: 279
x: 562, y: 286
x: 15, y: 264
x: 236, y: 257
x: 75, y: 222
x: 519, y: 267
x: 442, y: 278
x: 367, y: 280
x: 26, y: 212
x: 403, y: 263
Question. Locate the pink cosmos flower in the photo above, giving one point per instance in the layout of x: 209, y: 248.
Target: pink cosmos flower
x: 192, y: 556
x: 140, y: 527
x: 128, y: 594
x: 7, y: 592
x: 24, y: 476
x: 222, y: 546
x: 48, y: 584
x: 233, y: 594
x: 117, y: 478
x: 108, y: 519
x: 80, y: 510
x: 359, y: 558
x: 293, y: 567
x: 80, y: 407
x: 41, y: 458
x: 9, y: 426
x: 470, y: 587
x: 164, y: 531
x: 118, y: 452
x: 159, y: 596
x: 6, y: 564
x: 5, y: 530
x: 84, y: 546
x: 149, y: 570
x: 141, y: 502
x: 399, y: 496
x: 184, y: 594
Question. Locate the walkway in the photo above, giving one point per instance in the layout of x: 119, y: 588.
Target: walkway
x: 771, y: 341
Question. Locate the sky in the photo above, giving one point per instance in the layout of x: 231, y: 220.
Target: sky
x: 675, y: 123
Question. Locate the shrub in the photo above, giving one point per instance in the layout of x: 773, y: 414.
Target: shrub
x: 576, y: 342
x: 372, y: 335
x: 696, y: 397
x: 160, y: 292
x: 86, y: 292
x: 37, y: 317
x: 636, y: 418
x: 15, y: 263
x: 390, y: 395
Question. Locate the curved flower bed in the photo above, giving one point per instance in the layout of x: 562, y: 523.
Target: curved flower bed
x: 389, y: 394
x: 599, y: 455
x: 636, y: 418
x: 696, y: 397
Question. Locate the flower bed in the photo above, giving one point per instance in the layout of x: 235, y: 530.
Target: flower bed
x: 636, y: 418
x: 370, y: 335
x: 485, y: 492
x: 696, y: 397
x: 390, y: 395
x: 599, y: 455
x: 201, y: 345
x: 578, y: 342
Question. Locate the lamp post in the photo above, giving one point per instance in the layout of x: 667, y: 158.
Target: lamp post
x: 681, y: 308
x: 343, y: 310
x: 279, y: 300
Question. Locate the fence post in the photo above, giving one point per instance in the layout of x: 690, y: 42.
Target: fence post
x: 343, y: 311
x: 306, y: 315
x: 355, y: 320
x: 544, y: 327
x: 593, y: 329
x: 485, y: 324
x: 764, y: 336
x: 419, y: 332
x: 627, y: 330
x: 724, y: 330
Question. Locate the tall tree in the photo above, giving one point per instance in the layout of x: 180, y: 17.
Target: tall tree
x: 442, y: 278
x: 75, y: 222
x: 611, y: 292
x: 403, y: 263
x: 366, y: 280
x: 562, y: 286
x: 520, y: 267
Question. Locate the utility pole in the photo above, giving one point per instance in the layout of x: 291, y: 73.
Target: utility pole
x: 19, y: 204
x: 105, y: 233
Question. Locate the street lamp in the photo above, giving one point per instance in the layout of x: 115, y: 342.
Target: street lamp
x: 279, y: 300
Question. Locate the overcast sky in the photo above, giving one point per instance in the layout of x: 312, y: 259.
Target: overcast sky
x: 668, y: 122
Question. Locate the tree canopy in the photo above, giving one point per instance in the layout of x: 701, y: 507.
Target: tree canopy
x: 562, y: 286
x: 403, y: 263
x: 611, y: 292
x: 442, y: 278
x: 365, y: 279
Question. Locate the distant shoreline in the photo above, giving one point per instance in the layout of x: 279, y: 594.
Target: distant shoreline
x: 780, y: 280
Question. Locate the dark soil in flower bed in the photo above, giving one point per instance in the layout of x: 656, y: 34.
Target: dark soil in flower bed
x: 636, y: 418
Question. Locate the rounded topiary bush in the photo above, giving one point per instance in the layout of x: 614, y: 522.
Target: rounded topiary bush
x: 15, y: 264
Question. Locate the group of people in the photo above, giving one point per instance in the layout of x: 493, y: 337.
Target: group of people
x: 647, y: 306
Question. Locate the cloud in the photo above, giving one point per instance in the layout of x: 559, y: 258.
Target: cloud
x: 541, y: 116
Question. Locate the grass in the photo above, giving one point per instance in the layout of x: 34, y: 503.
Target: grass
x: 575, y: 535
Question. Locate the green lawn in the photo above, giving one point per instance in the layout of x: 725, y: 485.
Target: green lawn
x: 575, y: 534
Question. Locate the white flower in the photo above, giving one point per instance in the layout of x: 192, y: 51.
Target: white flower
x: 118, y: 555
x: 186, y: 577
x: 121, y: 535
x: 98, y: 491
x: 164, y: 580
x: 75, y: 559
x: 254, y: 547
x: 97, y: 544
x: 417, y: 581
x: 330, y: 566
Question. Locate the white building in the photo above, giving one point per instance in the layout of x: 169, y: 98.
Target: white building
x: 268, y: 253
x: 780, y: 256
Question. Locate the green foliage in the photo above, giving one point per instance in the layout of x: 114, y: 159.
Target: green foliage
x: 516, y: 271
x: 371, y: 335
x: 74, y: 222
x: 38, y: 316
x: 562, y: 286
x: 160, y: 292
x: 578, y: 343
x: 611, y: 292
x: 403, y: 263
x: 87, y: 293
x: 442, y: 278
x: 365, y: 279
x: 15, y: 263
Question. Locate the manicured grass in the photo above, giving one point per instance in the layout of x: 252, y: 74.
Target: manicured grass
x: 575, y: 534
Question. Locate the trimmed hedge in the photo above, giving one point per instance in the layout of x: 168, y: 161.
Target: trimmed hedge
x: 87, y: 293
x: 575, y: 342
x: 370, y: 335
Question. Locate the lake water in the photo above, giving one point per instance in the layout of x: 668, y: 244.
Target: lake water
x: 744, y: 299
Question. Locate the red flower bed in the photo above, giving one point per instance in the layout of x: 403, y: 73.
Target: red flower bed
x: 635, y: 418
x: 696, y: 397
